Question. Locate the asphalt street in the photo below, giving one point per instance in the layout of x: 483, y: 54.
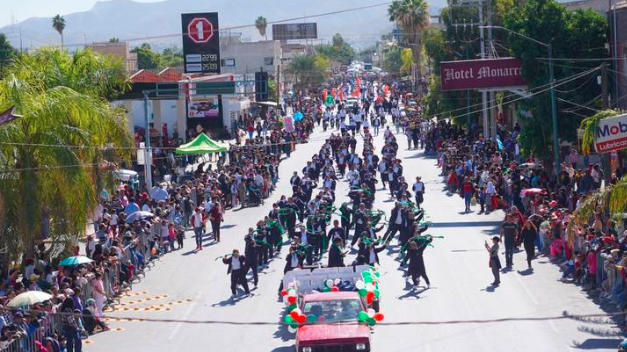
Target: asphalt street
x: 194, y: 286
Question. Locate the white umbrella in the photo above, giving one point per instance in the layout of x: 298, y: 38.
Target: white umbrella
x: 29, y: 298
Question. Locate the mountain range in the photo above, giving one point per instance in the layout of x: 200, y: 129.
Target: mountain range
x: 159, y: 23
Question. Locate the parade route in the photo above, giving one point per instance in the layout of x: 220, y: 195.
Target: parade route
x: 457, y: 266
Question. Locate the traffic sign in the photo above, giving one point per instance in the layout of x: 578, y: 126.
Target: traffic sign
x: 200, y: 30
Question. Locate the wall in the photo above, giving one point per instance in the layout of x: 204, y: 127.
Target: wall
x: 249, y: 57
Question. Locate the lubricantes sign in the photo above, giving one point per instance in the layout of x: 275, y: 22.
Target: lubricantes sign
x: 481, y: 74
x: 611, y: 134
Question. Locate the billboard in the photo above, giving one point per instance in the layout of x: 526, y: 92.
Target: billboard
x: 481, y: 74
x: 289, y: 31
x: 201, y: 42
x: 611, y: 134
x: 205, y: 108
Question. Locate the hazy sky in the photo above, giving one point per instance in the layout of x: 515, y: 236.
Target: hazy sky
x: 20, y: 10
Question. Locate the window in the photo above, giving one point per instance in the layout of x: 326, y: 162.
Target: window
x: 227, y: 62
x: 268, y: 61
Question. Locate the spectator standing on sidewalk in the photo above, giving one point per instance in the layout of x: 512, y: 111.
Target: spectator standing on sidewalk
x: 199, y: 226
x: 509, y: 231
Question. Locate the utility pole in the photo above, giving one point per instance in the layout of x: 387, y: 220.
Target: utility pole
x: 606, y: 157
x: 491, y: 99
x: 278, y: 86
x: 484, y: 93
x: 148, y: 152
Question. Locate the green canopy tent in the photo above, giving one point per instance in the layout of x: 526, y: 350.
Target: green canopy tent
x: 201, y: 145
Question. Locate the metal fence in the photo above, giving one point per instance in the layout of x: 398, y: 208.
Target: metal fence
x: 31, y: 335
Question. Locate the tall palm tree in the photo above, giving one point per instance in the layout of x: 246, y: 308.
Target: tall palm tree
x: 58, y: 23
x: 413, y: 17
x: 262, y: 24
x: 51, y: 156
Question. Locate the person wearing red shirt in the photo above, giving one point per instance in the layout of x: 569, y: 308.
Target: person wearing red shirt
x: 467, y: 189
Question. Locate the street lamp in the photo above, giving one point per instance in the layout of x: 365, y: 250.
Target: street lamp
x: 549, y: 47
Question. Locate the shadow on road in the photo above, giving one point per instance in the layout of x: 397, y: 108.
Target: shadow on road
x: 467, y: 224
x: 597, y: 344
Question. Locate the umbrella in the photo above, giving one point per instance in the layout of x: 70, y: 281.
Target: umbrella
x: 77, y: 260
x: 531, y: 192
x: 28, y: 298
x: 139, y: 215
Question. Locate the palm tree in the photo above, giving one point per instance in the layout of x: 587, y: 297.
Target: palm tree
x: 261, y: 23
x: 413, y: 17
x: 58, y: 23
x: 52, y: 157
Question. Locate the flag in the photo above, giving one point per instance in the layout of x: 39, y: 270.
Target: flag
x: 499, y: 143
x: 7, y: 116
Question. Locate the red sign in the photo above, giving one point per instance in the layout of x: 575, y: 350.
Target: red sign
x: 481, y: 74
x: 200, y: 30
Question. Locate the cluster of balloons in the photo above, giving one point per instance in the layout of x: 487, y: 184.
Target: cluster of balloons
x: 331, y: 285
x: 369, y: 285
x: 370, y: 317
x: 289, y: 296
x: 295, y: 315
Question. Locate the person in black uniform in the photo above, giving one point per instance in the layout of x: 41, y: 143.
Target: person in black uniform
x: 416, y: 268
x: 294, y: 259
x: 261, y: 240
x: 250, y: 251
x: 346, y: 213
x: 336, y: 255
x: 289, y: 214
x: 335, y: 232
x: 398, y: 220
x: 359, y: 219
x: 238, y: 266
x: 369, y: 252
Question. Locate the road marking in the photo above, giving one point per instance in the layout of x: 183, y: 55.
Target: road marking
x: 533, y: 299
x: 185, y: 316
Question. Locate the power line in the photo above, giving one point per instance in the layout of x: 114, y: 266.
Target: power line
x: 247, y: 25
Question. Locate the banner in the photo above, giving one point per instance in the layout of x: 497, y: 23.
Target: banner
x: 481, y: 74
x: 206, y: 108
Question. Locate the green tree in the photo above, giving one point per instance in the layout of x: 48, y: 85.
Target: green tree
x: 309, y: 70
x: 58, y: 23
x: 262, y: 24
x: 7, y: 52
x: 146, y: 58
x: 114, y: 40
x: 52, y: 157
x: 577, y: 34
x: 413, y: 17
x: 339, y: 51
x: 171, y: 57
x: 392, y: 60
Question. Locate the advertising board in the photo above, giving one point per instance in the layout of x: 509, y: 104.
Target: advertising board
x: 201, y: 42
x: 611, y: 134
x: 481, y: 74
x: 294, y: 31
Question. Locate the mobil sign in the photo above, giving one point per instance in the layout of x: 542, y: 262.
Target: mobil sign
x: 611, y: 134
x: 481, y: 74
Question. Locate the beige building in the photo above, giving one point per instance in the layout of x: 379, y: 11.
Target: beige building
x: 120, y: 50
